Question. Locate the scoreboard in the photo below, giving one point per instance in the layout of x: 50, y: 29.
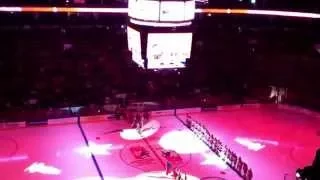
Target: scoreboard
x: 134, y: 45
x: 159, y: 35
x: 168, y: 50
x: 165, y: 49
x: 161, y: 11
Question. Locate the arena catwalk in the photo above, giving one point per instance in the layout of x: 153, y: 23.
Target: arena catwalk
x: 272, y: 141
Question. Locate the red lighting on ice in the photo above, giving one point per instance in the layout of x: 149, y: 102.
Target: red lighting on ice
x: 227, y: 155
x: 251, y: 145
x: 185, y: 142
x: 14, y: 158
x: 125, y: 10
x: 255, y: 144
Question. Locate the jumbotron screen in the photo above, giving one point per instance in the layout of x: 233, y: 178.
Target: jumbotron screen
x: 147, y: 10
x: 134, y: 45
x: 161, y: 11
x: 177, y: 11
x: 168, y: 50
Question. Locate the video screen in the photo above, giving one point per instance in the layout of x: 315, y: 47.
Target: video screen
x: 144, y: 10
x: 172, y: 11
x: 168, y: 50
x: 189, y: 10
x: 134, y: 45
x: 177, y: 10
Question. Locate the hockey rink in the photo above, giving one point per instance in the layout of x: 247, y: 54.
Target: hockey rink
x: 273, y: 142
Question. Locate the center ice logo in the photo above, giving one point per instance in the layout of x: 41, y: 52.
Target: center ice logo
x: 140, y: 152
x: 142, y: 157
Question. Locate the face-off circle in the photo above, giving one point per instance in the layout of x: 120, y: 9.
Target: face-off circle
x: 8, y: 147
x: 299, y: 156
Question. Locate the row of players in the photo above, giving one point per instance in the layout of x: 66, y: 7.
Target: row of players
x: 234, y: 161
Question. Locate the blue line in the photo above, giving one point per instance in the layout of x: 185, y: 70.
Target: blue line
x: 154, y: 152
x: 179, y: 119
x: 87, y: 143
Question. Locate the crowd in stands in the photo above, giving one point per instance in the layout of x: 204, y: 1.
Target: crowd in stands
x: 48, y: 61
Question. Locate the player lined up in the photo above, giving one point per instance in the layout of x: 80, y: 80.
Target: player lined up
x: 219, y: 149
